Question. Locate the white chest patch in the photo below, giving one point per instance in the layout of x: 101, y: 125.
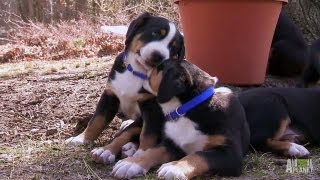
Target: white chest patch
x: 126, y: 87
x: 183, y: 132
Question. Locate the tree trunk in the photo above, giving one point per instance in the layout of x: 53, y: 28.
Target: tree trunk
x: 95, y: 8
x: 69, y: 11
x: 25, y: 9
x: 306, y: 14
x: 57, y: 10
x: 81, y: 7
x: 38, y: 12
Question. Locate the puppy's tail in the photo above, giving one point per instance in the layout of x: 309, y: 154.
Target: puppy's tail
x: 311, y: 74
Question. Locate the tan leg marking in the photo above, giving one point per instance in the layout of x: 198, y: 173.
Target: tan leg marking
x: 275, y: 143
x: 152, y: 157
x: 214, y: 141
x: 116, y: 145
x: 193, y: 165
x: 280, y: 146
x: 94, y: 128
x: 284, y: 124
x: 147, y: 141
x: 96, y: 125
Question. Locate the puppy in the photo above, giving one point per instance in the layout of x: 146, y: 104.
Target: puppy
x: 205, y: 128
x: 311, y: 74
x: 149, y: 40
x: 283, y: 119
x: 289, y: 50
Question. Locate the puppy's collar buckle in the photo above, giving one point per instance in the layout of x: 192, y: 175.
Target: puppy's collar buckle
x: 130, y: 68
x: 174, y: 115
x: 186, y: 107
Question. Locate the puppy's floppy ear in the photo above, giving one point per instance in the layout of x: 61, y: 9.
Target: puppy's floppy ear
x: 181, y: 52
x: 177, y: 51
x: 135, y: 25
x: 172, y: 84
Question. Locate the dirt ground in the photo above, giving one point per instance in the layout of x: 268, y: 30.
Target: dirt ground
x: 42, y: 102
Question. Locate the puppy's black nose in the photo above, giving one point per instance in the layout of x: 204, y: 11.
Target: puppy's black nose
x: 156, y: 58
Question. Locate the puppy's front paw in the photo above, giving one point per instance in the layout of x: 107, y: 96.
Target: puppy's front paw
x: 297, y: 150
x: 171, y: 171
x: 78, y: 140
x: 127, y: 169
x: 102, y: 155
x: 129, y: 150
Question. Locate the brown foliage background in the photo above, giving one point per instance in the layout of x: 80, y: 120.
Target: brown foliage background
x: 63, y: 29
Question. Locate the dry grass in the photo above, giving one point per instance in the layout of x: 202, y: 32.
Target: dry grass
x: 32, y: 103
x: 11, y: 70
x: 55, y: 160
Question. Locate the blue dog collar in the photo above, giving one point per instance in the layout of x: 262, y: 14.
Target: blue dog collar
x: 135, y: 73
x: 184, y: 108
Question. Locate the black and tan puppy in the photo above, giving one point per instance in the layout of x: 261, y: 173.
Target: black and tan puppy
x: 291, y: 56
x: 311, y: 74
x: 205, y: 128
x: 289, y: 50
x: 149, y: 40
x: 283, y: 119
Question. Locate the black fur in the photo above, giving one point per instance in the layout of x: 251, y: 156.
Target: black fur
x: 118, y: 66
x: 311, y: 75
x: 266, y: 107
x: 289, y: 50
x: 153, y: 117
x: 178, y: 50
x: 134, y: 26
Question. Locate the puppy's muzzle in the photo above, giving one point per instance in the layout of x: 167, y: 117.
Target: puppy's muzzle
x: 156, y: 58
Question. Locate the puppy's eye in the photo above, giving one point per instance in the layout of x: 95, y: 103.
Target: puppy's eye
x: 163, y: 32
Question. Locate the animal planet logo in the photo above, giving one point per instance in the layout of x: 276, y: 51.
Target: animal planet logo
x: 299, y: 166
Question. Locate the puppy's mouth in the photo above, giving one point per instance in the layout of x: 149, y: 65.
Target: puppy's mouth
x: 151, y: 64
x: 138, y: 52
x: 148, y: 63
x: 140, y: 61
x: 145, y: 63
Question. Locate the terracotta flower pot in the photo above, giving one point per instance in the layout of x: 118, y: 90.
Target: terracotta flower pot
x: 230, y: 39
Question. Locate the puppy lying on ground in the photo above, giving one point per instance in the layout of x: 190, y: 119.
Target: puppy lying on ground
x: 290, y: 55
x: 149, y: 40
x: 283, y: 119
x: 311, y: 74
x: 289, y: 50
x: 205, y: 128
